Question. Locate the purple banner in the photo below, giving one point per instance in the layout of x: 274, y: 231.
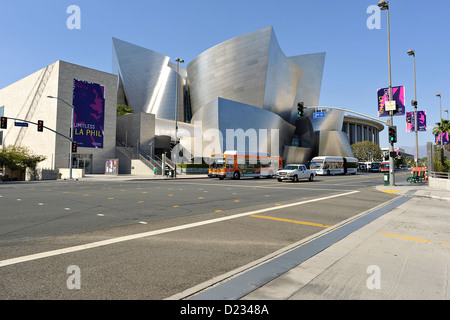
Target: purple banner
x: 421, y: 121
x: 89, y: 113
x: 444, y: 138
x: 398, y: 97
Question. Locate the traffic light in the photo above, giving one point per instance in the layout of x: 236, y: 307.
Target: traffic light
x: 40, y: 125
x: 392, y: 134
x: 4, y: 123
x: 300, y: 108
x: 74, y: 147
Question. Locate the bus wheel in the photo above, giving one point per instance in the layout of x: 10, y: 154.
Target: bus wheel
x: 328, y: 173
x: 236, y: 175
x: 221, y: 178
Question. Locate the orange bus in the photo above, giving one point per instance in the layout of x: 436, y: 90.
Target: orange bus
x: 232, y: 165
x: 384, y: 167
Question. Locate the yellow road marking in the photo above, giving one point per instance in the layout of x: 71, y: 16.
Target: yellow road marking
x: 140, y: 202
x: 292, y: 221
x: 268, y: 185
x: 110, y: 198
x: 170, y: 195
x: 391, y: 192
x: 86, y: 195
x: 144, y: 192
x: 200, y: 198
x: 405, y: 237
x: 445, y: 244
x: 175, y: 206
x: 237, y: 200
x: 218, y: 211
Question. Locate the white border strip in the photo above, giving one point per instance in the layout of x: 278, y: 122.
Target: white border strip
x: 97, y: 244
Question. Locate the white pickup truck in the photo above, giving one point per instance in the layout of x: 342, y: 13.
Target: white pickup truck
x: 295, y: 172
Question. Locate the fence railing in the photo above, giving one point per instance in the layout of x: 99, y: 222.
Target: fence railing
x: 440, y: 175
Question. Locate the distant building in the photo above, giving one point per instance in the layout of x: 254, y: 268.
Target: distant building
x: 27, y: 99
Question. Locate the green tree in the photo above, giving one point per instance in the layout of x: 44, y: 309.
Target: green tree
x: 123, y: 109
x: 445, y: 128
x: 19, y: 158
x: 367, y: 151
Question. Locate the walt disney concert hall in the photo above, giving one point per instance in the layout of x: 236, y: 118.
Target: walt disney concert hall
x: 241, y: 94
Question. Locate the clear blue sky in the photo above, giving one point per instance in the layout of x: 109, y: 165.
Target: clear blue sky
x: 34, y: 34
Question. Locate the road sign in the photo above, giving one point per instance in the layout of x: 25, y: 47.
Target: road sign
x: 21, y: 124
x: 390, y: 105
x: 319, y: 115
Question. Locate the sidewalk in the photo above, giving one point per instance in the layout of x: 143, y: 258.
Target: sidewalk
x: 403, y: 254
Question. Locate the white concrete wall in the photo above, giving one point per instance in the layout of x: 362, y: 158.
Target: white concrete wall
x: 441, y: 184
x: 27, y: 99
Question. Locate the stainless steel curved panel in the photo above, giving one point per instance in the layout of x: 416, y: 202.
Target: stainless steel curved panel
x: 311, y: 83
x: 251, y: 69
x: 149, y: 80
x: 334, y: 143
x: 242, y: 127
x: 235, y: 69
x: 332, y: 120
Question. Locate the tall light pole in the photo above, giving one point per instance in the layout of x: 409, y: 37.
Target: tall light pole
x: 178, y: 60
x: 440, y: 117
x: 414, y: 103
x: 384, y: 5
x: 447, y: 113
x: 71, y: 134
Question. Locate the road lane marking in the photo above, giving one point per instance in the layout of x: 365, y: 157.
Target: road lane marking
x: 102, y: 243
x: 391, y: 192
x: 405, y: 237
x: 280, y: 186
x: 292, y: 221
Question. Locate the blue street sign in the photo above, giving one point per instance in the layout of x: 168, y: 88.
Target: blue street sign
x: 319, y: 115
x: 21, y: 124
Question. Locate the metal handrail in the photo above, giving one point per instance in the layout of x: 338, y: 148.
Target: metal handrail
x: 440, y: 175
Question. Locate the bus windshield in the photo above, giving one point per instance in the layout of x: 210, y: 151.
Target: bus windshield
x: 316, y: 165
x: 217, y: 163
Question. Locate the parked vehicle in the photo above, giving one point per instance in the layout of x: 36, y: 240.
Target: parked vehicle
x: 384, y: 167
x: 232, y: 165
x: 295, y: 172
x: 334, y: 165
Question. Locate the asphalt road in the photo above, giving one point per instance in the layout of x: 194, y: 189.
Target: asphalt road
x: 151, y: 239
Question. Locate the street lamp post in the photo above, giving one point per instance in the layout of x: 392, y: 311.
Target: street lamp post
x: 447, y: 113
x: 71, y: 134
x: 416, y: 129
x: 440, y: 117
x: 384, y: 5
x: 178, y: 60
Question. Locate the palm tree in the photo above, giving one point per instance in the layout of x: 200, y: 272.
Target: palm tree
x: 445, y: 126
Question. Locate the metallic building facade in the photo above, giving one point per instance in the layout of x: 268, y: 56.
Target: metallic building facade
x: 251, y: 69
x: 147, y: 80
x: 244, y: 85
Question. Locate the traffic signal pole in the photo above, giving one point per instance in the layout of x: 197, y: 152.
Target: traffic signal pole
x: 37, y: 124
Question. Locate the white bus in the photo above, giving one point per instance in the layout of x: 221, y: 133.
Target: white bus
x: 334, y: 165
